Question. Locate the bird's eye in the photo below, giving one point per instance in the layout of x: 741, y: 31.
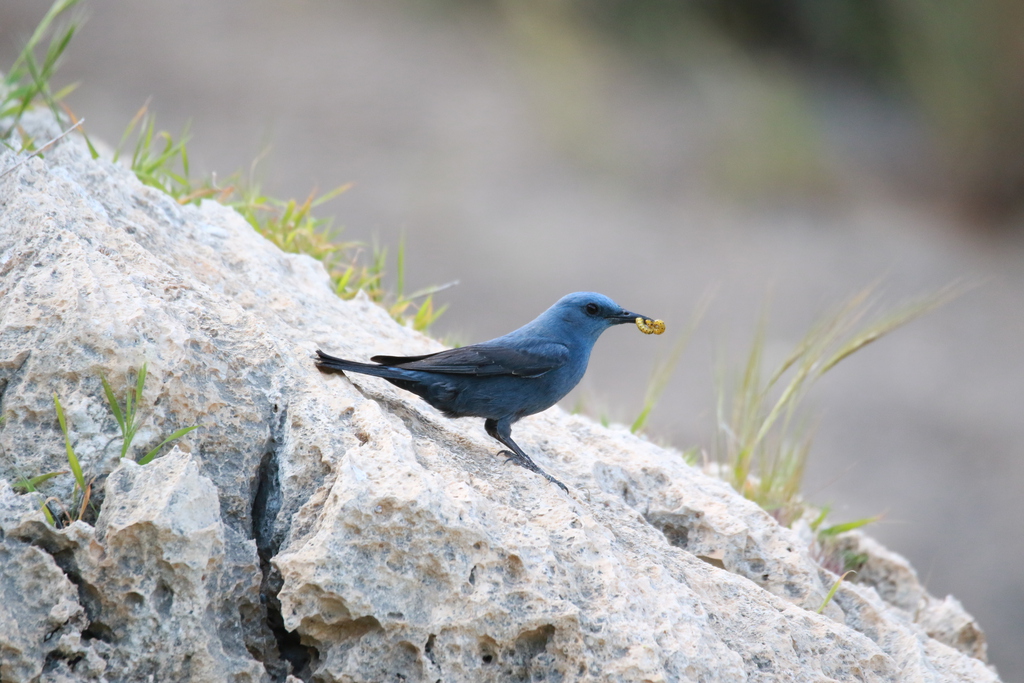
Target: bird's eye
x: 592, y: 309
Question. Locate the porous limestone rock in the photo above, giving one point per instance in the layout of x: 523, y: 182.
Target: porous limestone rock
x: 38, y: 609
x: 897, y: 584
x: 146, y: 584
x: 332, y: 528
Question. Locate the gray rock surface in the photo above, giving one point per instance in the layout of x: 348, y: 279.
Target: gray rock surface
x: 38, y: 606
x: 342, y: 530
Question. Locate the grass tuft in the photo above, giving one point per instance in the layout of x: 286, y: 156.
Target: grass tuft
x: 128, y: 420
x: 27, y: 82
x: 161, y: 161
x: 157, y: 159
x: 763, y: 439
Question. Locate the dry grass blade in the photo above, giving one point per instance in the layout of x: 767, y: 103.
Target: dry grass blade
x: 85, y: 499
x: 44, y: 147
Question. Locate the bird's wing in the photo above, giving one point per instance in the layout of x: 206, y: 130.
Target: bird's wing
x: 485, y: 361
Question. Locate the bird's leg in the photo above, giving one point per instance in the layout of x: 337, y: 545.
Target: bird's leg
x: 502, y: 431
x: 516, y: 454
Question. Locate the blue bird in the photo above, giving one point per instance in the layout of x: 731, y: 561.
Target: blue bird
x: 508, y: 378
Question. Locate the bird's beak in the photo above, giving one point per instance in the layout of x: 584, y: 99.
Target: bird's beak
x: 644, y: 323
x: 625, y: 316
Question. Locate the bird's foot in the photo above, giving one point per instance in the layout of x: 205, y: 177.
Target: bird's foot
x: 555, y: 481
x: 511, y: 456
x: 521, y: 460
x: 524, y: 461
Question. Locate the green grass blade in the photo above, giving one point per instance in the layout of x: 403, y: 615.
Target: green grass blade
x: 424, y: 315
x: 760, y: 424
x: 176, y: 435
x: 29, y: 485
x: 65, y: 91
x: 130, y: 128
x: 49, y: 515
x: 341, y: 285
x: 41, y: 74
x: 140, y: 383
x: 837, y: 529
x: 400, y: 268
x: 331, y: 195
x: 832, y: 591
x: 820, y: 519
x: 184, y: 153
x: 44, y: 26
x: 93, y: 152
x: 114, y: 407
x: 126, y: 442
x: 897, y: 319
x: 641, y: 419
x: 76, y: 468
x: 131, y: 418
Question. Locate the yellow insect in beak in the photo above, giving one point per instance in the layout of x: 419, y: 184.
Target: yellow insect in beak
x: 650, y: 326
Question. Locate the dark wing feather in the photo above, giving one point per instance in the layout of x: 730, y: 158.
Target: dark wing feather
x: 399, y: 360
x: 484, y: 361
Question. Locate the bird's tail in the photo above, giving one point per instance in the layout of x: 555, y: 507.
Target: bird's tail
x: 328, y: 363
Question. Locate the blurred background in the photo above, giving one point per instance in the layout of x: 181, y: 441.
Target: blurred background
x: 781, y: 155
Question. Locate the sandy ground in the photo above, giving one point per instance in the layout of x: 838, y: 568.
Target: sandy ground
x: 528, y: 164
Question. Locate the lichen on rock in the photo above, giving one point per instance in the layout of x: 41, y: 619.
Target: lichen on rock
x: 338, y: 529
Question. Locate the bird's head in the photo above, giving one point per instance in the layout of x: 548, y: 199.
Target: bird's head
x: 588, y: 314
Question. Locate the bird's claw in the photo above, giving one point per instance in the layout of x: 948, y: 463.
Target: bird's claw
x: 556, y: 482
x: 519, y: 460
x: 532, y: 466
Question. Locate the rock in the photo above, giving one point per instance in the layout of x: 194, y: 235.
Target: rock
x: 164, y: 519
x: 38, y: 598
x: 897, y: 584
x: 337, y: 529
x: 143, y: 584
